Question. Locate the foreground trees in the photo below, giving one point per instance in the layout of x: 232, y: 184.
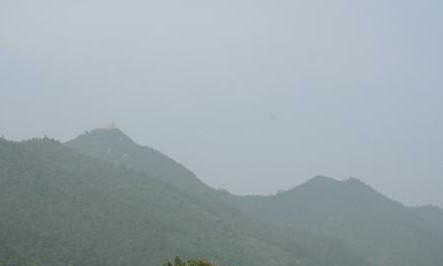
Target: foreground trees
x: 179, y: 262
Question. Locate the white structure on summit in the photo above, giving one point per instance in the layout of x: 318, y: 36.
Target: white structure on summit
x: 109, y: 126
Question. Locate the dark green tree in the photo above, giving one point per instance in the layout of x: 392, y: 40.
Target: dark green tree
x: 179, y: 262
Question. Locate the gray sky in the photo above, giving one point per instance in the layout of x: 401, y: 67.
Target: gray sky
x: 253, y: 96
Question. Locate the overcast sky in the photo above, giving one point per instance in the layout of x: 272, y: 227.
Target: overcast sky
x: 253, y: 96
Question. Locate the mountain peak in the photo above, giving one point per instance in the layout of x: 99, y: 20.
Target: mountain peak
x: 352, y: 181
x: 317, y: 184
x: 324, y: 181
x: 347, y: 190
x: 111, y: 144
x: 105, y: 137
x: 319, y: 180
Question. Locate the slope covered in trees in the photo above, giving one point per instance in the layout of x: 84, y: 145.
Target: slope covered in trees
x: 60, y: 207
x: 382, y: 231
x: 379, y: 229
x: 106, y: 200
x: 114, y: 146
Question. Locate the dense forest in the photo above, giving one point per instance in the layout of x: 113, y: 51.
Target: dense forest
x: 64, y: 208
x: 101, y: 199
x: 179, y: 262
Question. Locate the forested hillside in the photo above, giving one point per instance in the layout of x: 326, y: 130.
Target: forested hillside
x: 102, y: 199
x: 381, y: 230
x: 60, y: 207
x: 114, y: 146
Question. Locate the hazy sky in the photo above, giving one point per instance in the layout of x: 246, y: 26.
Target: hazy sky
x: 253, y: 96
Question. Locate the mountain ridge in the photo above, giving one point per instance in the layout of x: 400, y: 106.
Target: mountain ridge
x: 115, y: 146
x: 322, y: 222
x: 383, y: 231
x: 345, y: 210
x: 100, y: 213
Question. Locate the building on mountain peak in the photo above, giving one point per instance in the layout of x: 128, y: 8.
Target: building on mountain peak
x: 109, y: 126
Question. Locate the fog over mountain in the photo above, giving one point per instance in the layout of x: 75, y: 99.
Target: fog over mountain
x: 253, y: 96
x: 103, y: 199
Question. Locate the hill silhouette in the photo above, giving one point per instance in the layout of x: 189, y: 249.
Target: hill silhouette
x: 111, y: 144
x: 102, y: 199
x: 381, y: 230
x: 61, y: 207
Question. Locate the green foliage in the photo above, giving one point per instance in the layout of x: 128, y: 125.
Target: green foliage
x: 114, y: 146
x: 382, y: 231
x: 294, y: 246
x: 63, y: 208
x: 132, y: 205
x: 179, y: 262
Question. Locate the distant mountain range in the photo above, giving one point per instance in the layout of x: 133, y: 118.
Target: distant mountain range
x: 101, y: 199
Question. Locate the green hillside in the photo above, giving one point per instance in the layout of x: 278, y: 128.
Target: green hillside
x: 114, y: 146
x: 101, y: 199
x: 60, y: 207
x: 382, y: 231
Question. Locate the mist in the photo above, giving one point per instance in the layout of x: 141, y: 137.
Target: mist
x: 252, y: 96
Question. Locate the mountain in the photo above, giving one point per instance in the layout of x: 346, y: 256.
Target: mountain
x: 382, y: 231
x: 433, y: 216
x: 62, y: 207
x: 102, y: 199
x: 111, y: 144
